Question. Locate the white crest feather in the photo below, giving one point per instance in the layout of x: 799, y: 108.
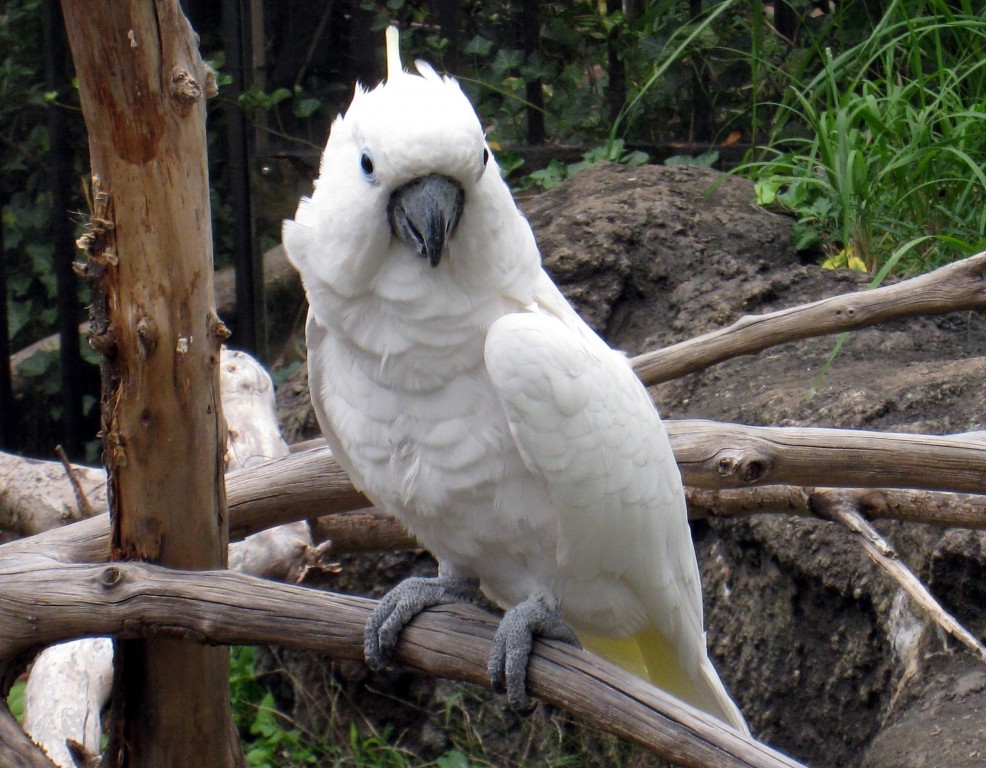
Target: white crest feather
x: 394, y: 66
x: 427, y: 71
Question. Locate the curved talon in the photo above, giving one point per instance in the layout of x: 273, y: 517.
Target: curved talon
x: 399, y: 606
x: 512, y: 645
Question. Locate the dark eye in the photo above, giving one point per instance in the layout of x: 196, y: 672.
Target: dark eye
x: 366, y: 164
x: 486, y: 156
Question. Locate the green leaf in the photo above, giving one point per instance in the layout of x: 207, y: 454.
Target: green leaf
x: 39, y: 364
x: 704, y: 160
x: 15, y: 700
x: 765, y: 190
x: 306, y: 107
x: 507, y: 59
x: 478, y: 46
x: 805, y: 237
x: 453, y: 759
x: 18, y: 315
x: 509, y: 161
x: 551, y: 176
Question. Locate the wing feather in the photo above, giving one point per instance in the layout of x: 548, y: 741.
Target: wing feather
x: 586, y: 426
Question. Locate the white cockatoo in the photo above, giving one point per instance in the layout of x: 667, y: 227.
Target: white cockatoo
x: 461, y: 392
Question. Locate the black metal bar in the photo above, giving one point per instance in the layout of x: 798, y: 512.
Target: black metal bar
x: 530, y: 33
x: 450, y: 23
x: 56, y: 53
x: 249, y: 334
x: 616, y: 93
x: 701, y: 127
x: 6, y: 391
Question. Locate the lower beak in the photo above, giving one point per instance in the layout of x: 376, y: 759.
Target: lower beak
x: 424, y: 213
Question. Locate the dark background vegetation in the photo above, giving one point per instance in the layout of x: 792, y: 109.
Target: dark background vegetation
x: 862, y: 118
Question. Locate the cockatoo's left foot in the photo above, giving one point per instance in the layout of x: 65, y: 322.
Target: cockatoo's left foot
x: 512, y: 647
x: 403, y: 603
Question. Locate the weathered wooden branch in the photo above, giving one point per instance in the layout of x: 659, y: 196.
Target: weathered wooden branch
x: 952, y: 288
x: 42, y: 603
x: 310, y: 484
x: 69, y: 684
x: 841, y: 508
x: 718, y: 455
x: 374, y: 530
x: 955, y: 510
x: 36, y: 496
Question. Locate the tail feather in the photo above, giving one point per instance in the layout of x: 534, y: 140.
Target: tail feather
x: 650, y: 655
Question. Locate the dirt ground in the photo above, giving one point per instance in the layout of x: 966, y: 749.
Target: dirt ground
x: 828, y: 660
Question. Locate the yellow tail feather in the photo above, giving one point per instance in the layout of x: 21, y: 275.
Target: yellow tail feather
x: 649, y: 654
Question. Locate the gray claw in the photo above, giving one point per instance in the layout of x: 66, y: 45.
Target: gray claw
x: 403, y: 603
x: 512, y: 644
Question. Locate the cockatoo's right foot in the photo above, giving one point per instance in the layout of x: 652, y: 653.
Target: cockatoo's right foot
x: 403, y: 603
x: 512, y: 645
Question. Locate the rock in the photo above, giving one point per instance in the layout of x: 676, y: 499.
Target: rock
x: 632, y: 248
x: 940, y: 720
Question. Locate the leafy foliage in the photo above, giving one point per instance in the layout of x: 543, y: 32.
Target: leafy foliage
x: 880, y: 155
x: 613, y: 151
x: 271, y: 740
x: 24, y: 151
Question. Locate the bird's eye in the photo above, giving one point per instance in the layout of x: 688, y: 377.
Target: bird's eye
x: 486, y: 156
x: 366, y: 164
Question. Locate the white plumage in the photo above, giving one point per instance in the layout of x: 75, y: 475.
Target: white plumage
x: 462, y: 392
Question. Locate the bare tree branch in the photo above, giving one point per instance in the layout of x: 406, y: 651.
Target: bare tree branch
x: 928, y: 507
x: 69, y: 684
x: 718, y: 455
x: 952, y: 288
x: 310, y: 484
x: 841, y: 508
x: 36, y: 496
x: 374, y: 530
x: 81, y: 500
x: 131, y: 600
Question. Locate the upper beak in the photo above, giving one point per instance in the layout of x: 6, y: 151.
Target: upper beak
x: 424, y: 213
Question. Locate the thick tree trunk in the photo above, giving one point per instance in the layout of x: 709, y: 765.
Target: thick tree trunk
x: 142, y: 87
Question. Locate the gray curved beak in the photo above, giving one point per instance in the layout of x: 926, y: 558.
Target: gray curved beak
x: 424, y: 213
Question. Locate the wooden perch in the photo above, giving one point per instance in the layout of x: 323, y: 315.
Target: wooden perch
x: 952, y: 288
x: 148, y: 264
x: 41, y: 604
x: 928, y: 507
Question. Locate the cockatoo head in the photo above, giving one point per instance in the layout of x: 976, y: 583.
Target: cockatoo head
x: 401, y: 171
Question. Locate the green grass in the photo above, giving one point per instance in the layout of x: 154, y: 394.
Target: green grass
x: 272, y: 740
x: 880, y: 155
x: 480, y: 732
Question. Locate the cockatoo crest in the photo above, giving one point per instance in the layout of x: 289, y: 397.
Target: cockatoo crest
x: 410, y: 127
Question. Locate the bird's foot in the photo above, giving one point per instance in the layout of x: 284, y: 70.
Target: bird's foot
x: 403, y: 603
x: 512, y: 647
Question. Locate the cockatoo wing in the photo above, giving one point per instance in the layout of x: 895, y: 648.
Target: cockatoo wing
x: 585, y: 425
